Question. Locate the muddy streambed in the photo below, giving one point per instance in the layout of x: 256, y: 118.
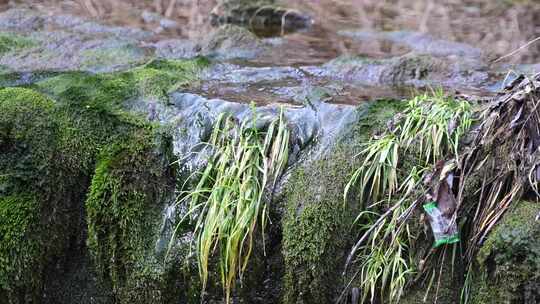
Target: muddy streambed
x: 107, y: 108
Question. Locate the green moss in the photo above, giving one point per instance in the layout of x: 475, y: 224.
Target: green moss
x: 19, y: 247
x: 30, y: 162
x: 109, y: 91
x: 159, y: 77
x: 67, y: 134
x: 89, y: 110
x: 509, y: 261
x: 92, y: 105
x: 105, y: 92
x: 179, y: 66
x: 12, y: 42
x: 131, y: 179
x: 316, y: 225
x: 27, y: 138
x: 51, y: 147
x: 128, y: 192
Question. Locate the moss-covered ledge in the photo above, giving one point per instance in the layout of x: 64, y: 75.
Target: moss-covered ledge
x: 317, y: 224
x: 38, y: 193
x: 132, y: 183
x: 49, y: 150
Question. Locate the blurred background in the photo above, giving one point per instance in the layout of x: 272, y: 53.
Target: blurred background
x: 496, y: 26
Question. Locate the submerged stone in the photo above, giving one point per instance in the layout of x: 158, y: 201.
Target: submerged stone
x: 415, y: 70
x: 265, y: 18
x: 231, y: 41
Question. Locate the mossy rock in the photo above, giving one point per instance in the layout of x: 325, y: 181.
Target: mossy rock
x: 317, y: 222
x: 110, y: 91
x: 36, y: 181
x: 315, y: 231
x: 158, y: 78
x: 132, y: 183
x: 509, y: 261
x: 231, y: 41
x: 51, y: 149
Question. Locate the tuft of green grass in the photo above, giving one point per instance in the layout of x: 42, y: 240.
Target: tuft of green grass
x: 378, y: 173
x: 227, y: 202
x: 430, y: 129
x: 434, y: 124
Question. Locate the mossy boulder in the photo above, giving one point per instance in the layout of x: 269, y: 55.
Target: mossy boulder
x: 110, y: 91
x: 38, y: 190
x: 509, y: 261
x: 412, y: 69
x: 75, y: 162
x: 263, y: 17
x: 231, y: 41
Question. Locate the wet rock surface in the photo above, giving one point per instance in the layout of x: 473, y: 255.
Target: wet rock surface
x: 136, y: 80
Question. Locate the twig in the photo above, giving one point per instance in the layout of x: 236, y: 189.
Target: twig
x: 517, y: 50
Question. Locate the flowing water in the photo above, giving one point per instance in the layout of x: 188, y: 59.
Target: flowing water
x: 324, y: 30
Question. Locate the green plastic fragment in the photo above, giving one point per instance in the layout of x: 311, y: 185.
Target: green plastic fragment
x: 449, y: 240
x: 430, y: 206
